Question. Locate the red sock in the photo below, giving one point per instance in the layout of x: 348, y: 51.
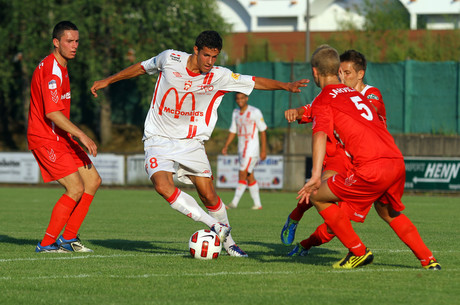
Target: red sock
x: 299, y: 210
x: 408, y: 233
x: 319, y: 237
x: 341, y: 226
x: 77, y: 217
x: 59, y: 216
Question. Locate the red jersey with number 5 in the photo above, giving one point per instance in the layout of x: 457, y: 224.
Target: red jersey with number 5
x: 347, y: 116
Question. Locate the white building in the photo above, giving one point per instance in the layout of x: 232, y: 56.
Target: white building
x: 326, y: 15
x: 287, y: 15
x: 439, y: 14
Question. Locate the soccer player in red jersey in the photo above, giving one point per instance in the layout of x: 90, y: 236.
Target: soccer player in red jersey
x: 352, y: 70
x: 50, y: 138
x: 377, y: 171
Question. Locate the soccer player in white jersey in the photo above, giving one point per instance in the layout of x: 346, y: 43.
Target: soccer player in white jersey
x: 182, y: 116
x: 247, y: 122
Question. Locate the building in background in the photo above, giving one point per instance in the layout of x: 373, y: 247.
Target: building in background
x: 436, y: 14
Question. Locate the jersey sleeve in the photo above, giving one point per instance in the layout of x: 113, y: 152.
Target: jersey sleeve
x: 52, y: 91
x: 375, y: 98
x: 156, y: 63
x: 259, y: 120
x: 233, y: 128
x: 306, y: 117
x: 322, y: 117
x: 234, y: 82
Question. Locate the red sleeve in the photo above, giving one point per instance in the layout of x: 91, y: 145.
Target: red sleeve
x: 306, y: 117
x: 51, y: 89
x: 375, y: 97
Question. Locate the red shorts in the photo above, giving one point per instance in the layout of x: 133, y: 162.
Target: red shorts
x: 380, y: 180
x: 60, y: 159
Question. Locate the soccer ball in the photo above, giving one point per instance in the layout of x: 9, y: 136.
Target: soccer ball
x: 205, y: 244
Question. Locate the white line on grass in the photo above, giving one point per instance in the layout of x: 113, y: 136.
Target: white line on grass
x: 7, y: 260
x: 263, y: 273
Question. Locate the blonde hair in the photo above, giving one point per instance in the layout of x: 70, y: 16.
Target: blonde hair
x: 326, y: 60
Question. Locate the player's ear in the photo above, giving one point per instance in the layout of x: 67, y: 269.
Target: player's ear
x: 195, y: 50
x: 361, y: 74
x: 56, y: 42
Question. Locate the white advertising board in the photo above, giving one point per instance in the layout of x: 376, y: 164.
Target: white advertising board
x: 269, y: 173
x: 135, y: 170
x: 18, y: 167
x: 111, y: 168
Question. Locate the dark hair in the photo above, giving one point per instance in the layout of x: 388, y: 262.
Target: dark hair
x: 358, y: 59
x: 209, y: 39
x: 62, y: 26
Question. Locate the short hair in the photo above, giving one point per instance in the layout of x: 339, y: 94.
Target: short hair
x: 358, y: 59
x: 209, y: 39
x: 62, y: 26
x: 326, y: 60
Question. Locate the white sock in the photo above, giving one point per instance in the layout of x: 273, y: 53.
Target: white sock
x: 220, y: 213
x: 254, y: 191
x: 239, y: 191
x: 187, y: 205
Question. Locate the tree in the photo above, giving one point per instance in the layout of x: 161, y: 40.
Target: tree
x: 113, y: 35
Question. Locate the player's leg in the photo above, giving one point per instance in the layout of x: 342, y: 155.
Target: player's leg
x: 91, y: 182
x: 254, y: 191
x: 321, y: 236
x: 56, y: 164
x: 408, y: 233
x: 324, y: 201
x: 290, y: 227
x: 216, y: 208
x: 240, y: 188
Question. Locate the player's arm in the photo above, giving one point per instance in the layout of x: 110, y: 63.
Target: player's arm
x: 294, y: 114
x: 61, y: 121
x: 130, y: 72
x: 319, y: 140
x: 262, y: 83
x: 229, y: 140
x: 263, y: 145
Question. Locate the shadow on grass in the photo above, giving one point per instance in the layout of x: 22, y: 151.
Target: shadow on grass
x: 18, y: 241
x: 139, y: 245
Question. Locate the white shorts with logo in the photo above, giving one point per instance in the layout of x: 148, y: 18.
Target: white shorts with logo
x: 181, y: 156
x: 248, y: 163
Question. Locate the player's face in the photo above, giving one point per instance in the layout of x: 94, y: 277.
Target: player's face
x: 350, y: 77
x: 206, y: 58
x: 241, y: 100
x: 68, y: 44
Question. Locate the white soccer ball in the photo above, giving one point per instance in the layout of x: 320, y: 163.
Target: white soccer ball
x: 205, y: 244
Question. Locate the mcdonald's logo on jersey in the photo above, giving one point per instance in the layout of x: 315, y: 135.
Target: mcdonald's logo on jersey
x: 178, y: 112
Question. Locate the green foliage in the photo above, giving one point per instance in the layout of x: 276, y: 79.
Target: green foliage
x: 113, y: 35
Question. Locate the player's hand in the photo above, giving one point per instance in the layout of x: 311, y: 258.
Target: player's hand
x: 295, y: 86
x: 311, y: 187
x: 224, y: 151
x: 89, y: 144
x: 99, y: 84
x: 341, y: 76
x: 291, y: 115
x: 263, y: 155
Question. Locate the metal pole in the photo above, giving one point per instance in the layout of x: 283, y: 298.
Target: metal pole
x: 307, y: 33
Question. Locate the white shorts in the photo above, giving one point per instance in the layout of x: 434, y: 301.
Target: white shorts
x: 183, y: 157
x: 247, y: 164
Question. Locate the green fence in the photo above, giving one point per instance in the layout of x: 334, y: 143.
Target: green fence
x: 420, y: 97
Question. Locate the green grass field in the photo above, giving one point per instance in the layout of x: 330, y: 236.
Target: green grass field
x: 141, y: 255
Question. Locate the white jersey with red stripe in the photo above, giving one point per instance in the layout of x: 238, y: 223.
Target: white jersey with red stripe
x: 185, y: 103
x: 247, y: 126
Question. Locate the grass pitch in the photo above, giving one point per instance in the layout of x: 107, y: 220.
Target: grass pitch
x: 141, y: 255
